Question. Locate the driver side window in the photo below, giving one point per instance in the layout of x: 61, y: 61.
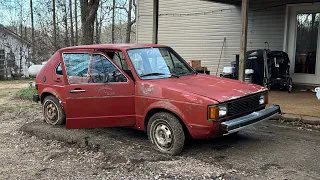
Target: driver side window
x: 102, y: 70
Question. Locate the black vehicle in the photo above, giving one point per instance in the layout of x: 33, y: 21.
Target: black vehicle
x: 271, y: 68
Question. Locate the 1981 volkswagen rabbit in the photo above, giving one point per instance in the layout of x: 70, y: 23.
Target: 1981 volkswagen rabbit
x: 147, y: 87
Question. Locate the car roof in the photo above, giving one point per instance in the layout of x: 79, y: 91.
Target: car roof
x: 112, y: 46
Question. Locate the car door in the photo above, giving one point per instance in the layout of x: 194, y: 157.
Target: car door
x: 98, y: 94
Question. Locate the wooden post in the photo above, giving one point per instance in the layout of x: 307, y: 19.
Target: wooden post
x: 243, y: 41
x: 155, y: 21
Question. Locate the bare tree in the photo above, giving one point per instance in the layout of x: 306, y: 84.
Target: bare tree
x: 71, y: 23
x: 65, y: 20
x: 88, y: 14
x: 76, y: 22
x: 129, y: 21
x: 54, y: 25
x: 32, y: 29
x: 113, y: 20
x: 97, y: 36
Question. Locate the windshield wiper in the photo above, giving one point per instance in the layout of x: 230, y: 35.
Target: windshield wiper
x: 175, y: 75
x: 152, y: 74
x: 158, y: 74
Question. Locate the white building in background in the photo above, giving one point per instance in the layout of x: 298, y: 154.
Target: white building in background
x: 196, y: 29
x: 14, y: 51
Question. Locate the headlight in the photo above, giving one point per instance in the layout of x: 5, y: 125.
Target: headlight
x: 263, y: 99
x: 216, y: 112
x: 223, y: 110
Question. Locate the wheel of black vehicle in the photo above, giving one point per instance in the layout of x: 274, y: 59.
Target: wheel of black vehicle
x: 52, y: 111
x: 289, y: 85
x: 166, y: 133
x: 266, y: 83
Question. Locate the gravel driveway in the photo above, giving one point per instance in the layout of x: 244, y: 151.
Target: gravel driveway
x: 269, y: 150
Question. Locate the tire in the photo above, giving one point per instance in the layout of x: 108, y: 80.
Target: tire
x: 166, y: 133
x: 52, y: 111
x: 266, y: 83
x: 289, y: 85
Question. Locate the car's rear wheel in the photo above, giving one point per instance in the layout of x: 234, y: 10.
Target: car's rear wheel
x: 52, y: 111
x: 166, y: 133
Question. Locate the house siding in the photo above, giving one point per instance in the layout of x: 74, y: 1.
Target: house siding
x: 194, y: 37
x: 200, y: 37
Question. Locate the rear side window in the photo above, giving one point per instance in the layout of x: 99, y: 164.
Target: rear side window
x: 59, y: 70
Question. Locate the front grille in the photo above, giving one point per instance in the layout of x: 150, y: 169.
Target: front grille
x: 244, y: 105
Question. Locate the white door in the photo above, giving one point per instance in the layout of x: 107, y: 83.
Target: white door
x: 303, y: 43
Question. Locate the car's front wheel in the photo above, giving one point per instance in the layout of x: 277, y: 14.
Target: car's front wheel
x: 52, y: 111
x: 166, y: 133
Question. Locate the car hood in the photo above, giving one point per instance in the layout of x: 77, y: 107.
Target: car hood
x: 216, y: 88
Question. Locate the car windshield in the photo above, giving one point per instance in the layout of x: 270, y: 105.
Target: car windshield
x: 156, y: 63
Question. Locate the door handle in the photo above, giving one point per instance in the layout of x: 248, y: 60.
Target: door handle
x: 57, y: 80
x: 77, y: 90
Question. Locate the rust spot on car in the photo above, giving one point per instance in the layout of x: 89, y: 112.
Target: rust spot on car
x: 169, y: 106
x: 146, y: 89
x: 106, y: 90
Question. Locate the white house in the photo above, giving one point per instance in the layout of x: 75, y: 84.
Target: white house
x: 14, y: 52
x: 196, y: 29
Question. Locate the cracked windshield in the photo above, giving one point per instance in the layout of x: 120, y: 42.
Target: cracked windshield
x: 156, y: 63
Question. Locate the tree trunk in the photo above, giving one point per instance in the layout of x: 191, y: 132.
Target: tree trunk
x: 32, y: 31
x: 129, y: 23
x: 54, y: 25
x: 65, y: 18
x: 71, y: 23
x: 88, y: 15
x: 76, y: 22
x: 97, y: 31
x: 113, y: 20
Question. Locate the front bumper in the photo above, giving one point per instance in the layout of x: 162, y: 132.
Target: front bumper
x: 237, y: 124
x: 36, y: 98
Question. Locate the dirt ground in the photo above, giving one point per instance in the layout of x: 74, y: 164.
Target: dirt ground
x: 297, y: 102
x: 27, y: 157
x: 269, y: 151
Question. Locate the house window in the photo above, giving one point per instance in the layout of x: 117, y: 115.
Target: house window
x: 10, y: 60
x: 306, y: 42
x: 2, y: 55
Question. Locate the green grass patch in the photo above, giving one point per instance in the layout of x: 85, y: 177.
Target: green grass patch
x: 26, y: 93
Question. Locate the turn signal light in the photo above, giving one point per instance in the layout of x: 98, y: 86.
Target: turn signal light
x: 213, y: 112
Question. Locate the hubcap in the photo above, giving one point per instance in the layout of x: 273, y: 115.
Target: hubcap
x: 51, y: 112
x: 163, y: 136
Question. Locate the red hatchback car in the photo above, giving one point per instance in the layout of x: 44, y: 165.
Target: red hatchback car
x: 147, y: 87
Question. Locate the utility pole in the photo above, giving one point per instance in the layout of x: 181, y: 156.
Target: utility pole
x: 243, y: 41
x: 155, y: 21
